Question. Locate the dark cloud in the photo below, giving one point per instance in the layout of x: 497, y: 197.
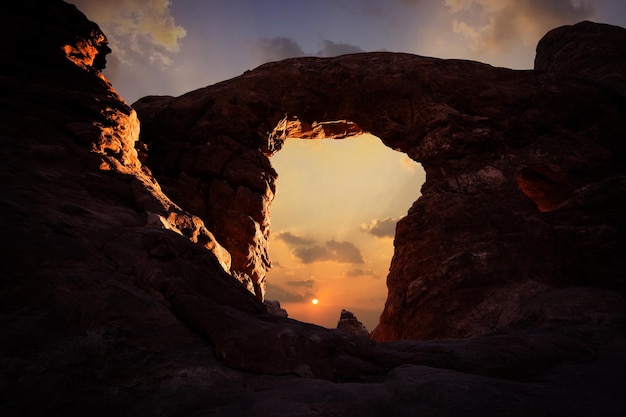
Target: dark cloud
x: 381, y: 228
x: 345, y: 252
x: 309, y: 283
x: 275, y: 292
x: 293, y: 240
x: 278, y: 48
x: 308, y: 251
x: 281, y: 47
x: 312, y: 254
x: 330, y: 48
x: 342, y: 252
x: 360, y: 273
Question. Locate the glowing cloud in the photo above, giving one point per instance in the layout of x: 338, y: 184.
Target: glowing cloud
x: 137, y: 27
x: 496, y: 24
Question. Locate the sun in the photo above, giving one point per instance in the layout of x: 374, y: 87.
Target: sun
x: 315, y: 301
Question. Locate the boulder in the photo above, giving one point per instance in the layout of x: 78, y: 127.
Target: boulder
x: 587, y: 50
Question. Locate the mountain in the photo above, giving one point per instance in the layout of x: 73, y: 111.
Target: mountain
x: 134, y: 238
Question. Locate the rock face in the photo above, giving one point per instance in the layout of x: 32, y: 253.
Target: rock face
x: 523, y: 198
x: 118, y: 298
x: 586, y: 50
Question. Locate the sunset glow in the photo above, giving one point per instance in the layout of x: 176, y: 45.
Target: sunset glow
x: 333, y: 222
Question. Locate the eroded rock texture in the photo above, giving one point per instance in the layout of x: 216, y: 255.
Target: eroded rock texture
x: 585, y: 50
x: 116, y: 297
x: 523, y: 198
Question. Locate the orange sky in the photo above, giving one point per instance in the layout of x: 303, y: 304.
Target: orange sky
x: 333, y: 221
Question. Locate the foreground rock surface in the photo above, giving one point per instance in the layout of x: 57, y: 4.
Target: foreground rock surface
x: 116, y: 298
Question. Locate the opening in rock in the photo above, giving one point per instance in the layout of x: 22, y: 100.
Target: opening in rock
x: 333, y: 223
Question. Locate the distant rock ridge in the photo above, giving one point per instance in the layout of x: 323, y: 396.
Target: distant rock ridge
x: 350, y: 324
x: 118, y: 297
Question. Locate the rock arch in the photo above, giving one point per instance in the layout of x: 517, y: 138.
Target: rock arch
x: 473, y: 238
x: 99, y: 298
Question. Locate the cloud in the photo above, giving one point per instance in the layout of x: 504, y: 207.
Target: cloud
x: 381, y: 228
x: 342, y: 252
x: 312, y: 254
x: 494, y: 25
x: 275, y: 292
x: 309, y: 283
x: 281, y: 47
x: 136, y: 27
x: 330, y: 49
x: 360, y: 273
x: 293, y: 240
x: 308, y: 251
x: 345, y: 252
x: 278, y: 48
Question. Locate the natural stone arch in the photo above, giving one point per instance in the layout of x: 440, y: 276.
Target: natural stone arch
x: 464, y: 244
x: 85, y: 278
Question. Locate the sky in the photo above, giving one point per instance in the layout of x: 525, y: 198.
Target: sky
x: 332, y: 228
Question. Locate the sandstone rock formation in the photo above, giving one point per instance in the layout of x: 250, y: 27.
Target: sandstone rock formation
x: 592, y: 51
x: 522, y: 200
x: 118, y: 298
x: 350, y: 324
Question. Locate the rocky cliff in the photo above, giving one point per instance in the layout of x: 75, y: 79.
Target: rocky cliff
x: 121, y: 294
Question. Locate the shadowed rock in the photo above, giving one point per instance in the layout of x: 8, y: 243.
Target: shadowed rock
x: 592, y: 51
x: 118, y: 297
x: 524, y: 179
x: 350, y: 324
